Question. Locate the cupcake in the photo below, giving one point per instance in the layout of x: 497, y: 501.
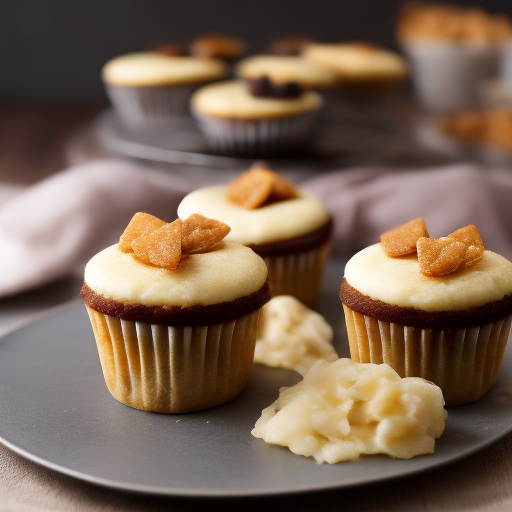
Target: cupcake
x: 361, y: 68
x: 283, y: 69
x: 175, y: 310
x: 256, y: 119
x: 150, y: 88
x: 439, y: 309
x: 452, y: 50
x: 286, y: 226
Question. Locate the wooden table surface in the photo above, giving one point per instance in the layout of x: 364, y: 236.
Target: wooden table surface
x: 32, y: 146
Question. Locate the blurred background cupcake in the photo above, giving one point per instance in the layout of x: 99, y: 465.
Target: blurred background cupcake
x: 452, y: 50
x: 258, y: 118
x: 282, y: 69
x: 149, y: 88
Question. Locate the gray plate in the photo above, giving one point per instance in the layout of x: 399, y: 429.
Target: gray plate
x: 56, y: 411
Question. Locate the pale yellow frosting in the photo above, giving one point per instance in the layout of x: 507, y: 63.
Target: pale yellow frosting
x: 226, y: 273
x: 277, y: 221
x: 232, y: 99
x: 398, y: 281
x: 282, y: 69
x: 151, y: 69
x: 352, y: 61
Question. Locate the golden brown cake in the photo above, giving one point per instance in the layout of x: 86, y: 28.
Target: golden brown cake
x: 175, y: 314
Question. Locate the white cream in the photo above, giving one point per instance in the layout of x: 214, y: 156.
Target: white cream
x: 342, y: 410
x: 292, y: 336
x: 232, y: 100
x: 398, y: 281
x: 281, y: 69
x: 226, y: 273
x: 278, y: 221
x: 151, y: 68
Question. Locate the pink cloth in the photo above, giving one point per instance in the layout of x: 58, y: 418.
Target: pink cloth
x: 54, y: 227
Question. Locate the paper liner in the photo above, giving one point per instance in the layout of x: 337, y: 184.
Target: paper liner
x: 175, y: 369
x: 298, y: 274
x: 446, y: 77
x: 258, y: 138
x: 143, y: 106
x: 464, y: 363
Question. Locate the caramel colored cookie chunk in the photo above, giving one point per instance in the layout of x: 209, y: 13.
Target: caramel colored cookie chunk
x: 440, y: 256
x: 402, y: 239
x: 140, y: 224
x: 470, y: 237
x: 161, y: 247
x: 258, y: 186
x: 200, y: 233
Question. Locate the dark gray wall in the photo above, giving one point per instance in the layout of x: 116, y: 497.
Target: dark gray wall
x: 54, y: 49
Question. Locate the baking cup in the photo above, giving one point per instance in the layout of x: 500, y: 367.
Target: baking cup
x: 143, y: 106
x: 464, y: 363
x: 446, y: 76
x: 298, y: 274
x: 160, y: 368
x: 258, y: 138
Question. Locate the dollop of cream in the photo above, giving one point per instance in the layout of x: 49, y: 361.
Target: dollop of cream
x: 277, y: 221
x: 232, y: 99
x: 399, y: 281
x: 284, y: 68
x: 292, y: 336
x: 150, y: 68
x: 342, y: 410
x: 225, y: 273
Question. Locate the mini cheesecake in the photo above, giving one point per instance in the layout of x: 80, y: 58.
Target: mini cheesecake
x: 293, y: 236
x: 451, y: 330
x: 176, y: 340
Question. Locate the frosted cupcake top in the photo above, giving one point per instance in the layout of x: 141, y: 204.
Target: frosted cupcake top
x: 399, y: 282
x: 281, y: 220
x: 227, y: 272
x: 232, y: 99
x: 281, y: 69
x: 152, y: 69
x: 357, y: 61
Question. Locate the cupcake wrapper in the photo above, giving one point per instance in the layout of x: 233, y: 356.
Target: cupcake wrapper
x: 446, y: 77
x: 464, y: 363
x: 167, y: 369
x: 298, y: 274
x: 259, y: 137
x: 143, y: 106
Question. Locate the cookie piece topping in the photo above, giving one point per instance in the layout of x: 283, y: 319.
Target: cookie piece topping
x: 436, y: 257
x: 200, y: 233
x: 402, y: 240
x: 441, y: 256
x: 470, y: 237
x: 140, y: 224
x: 165, y: 245
x: 161, y: 247
x: 258, y: 187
